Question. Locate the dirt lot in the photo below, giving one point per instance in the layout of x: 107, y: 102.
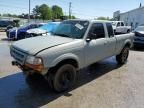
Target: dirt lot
x: 101, y: 85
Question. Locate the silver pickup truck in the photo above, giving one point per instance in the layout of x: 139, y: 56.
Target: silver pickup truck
x: 74, y: 45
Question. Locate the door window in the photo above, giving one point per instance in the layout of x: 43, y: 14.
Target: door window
x: 118, y: 24
x: 33, y: 26
x: 122, y: 24
x: 110, y: 30
x: 97, y: 31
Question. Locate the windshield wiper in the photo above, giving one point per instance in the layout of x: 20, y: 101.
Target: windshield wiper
x: 63, y: 35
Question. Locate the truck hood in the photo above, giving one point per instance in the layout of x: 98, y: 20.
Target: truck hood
x: 37, y: 44
x: 36, y: 31
x: 141, y: 32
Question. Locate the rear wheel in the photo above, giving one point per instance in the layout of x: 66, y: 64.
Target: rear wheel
x: 64, y: 78
x: 122, y: 57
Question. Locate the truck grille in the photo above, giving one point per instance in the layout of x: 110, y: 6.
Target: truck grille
x: 18, y: 55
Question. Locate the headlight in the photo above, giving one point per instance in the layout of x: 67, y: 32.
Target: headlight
x: 34, y: 60
x: 28, y: 31
x: 35, y: 63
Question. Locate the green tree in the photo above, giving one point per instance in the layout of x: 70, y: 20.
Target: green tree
x: 73, y: 17
x: 5, y: 15
x: 45, y: 12
x: 14, y: 15
x: 10, y: 15
x: 103, y: 18
x: 57, y: 12
x: 36, y: 10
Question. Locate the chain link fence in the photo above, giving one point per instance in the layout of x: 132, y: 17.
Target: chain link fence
x: 25, y: 21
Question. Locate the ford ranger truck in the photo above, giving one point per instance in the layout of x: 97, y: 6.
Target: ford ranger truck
x: 75, y: 44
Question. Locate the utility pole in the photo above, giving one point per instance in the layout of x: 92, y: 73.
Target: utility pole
x: 70, y: 10
x: 140, y: 5
x: 29, y: 11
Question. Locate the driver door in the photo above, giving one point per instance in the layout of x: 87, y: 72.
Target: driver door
x: 96, y: 47
x: 118, y: 28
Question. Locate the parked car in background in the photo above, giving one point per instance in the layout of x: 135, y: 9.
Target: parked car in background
x: 120, y: 28
x: 74, y: 45
x: 6, y: 24
x: 20, y: 33
x: 139, y: 36
x: 43, y: 30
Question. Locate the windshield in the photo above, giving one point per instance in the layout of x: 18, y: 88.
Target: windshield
x: 71, y: 29
x: 24, y: 26
x: 50, y: 27
x: 140, y: 28
x: 113, y: 23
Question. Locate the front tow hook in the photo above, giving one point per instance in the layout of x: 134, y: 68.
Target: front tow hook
x: 14, y: 63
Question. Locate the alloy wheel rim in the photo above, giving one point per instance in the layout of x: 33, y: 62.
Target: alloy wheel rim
x: 65, y: 80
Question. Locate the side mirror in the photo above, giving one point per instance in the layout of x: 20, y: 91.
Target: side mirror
x: 88, y: 40
x: 92, y: 36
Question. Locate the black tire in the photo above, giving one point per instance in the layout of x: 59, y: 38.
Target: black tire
x: 122, y: 57
x: 128, y: 31
x: 64, y: 78
x: 49, y: 77
x: 114, y: 31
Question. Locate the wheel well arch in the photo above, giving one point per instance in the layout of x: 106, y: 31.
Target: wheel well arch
x: 128, y: 44
x: 128, y: 30
x: 66, y: 61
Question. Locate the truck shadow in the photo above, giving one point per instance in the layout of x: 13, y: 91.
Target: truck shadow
x: 16, y: 92
x: 7, y: 40
x: 138, y: 48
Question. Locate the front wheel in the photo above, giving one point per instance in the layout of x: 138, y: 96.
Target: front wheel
x: 64, y: 78
x: 122, y: 57
x: 128, y: 31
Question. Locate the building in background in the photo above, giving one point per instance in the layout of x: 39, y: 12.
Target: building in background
x: 131, y: 18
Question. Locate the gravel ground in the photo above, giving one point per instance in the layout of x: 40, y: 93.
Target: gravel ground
x: 101, y: 85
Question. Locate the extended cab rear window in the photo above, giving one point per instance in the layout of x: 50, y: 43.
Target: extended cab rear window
x: 110, y: 29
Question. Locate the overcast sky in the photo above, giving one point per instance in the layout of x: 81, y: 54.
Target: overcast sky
x: 80, y: 8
